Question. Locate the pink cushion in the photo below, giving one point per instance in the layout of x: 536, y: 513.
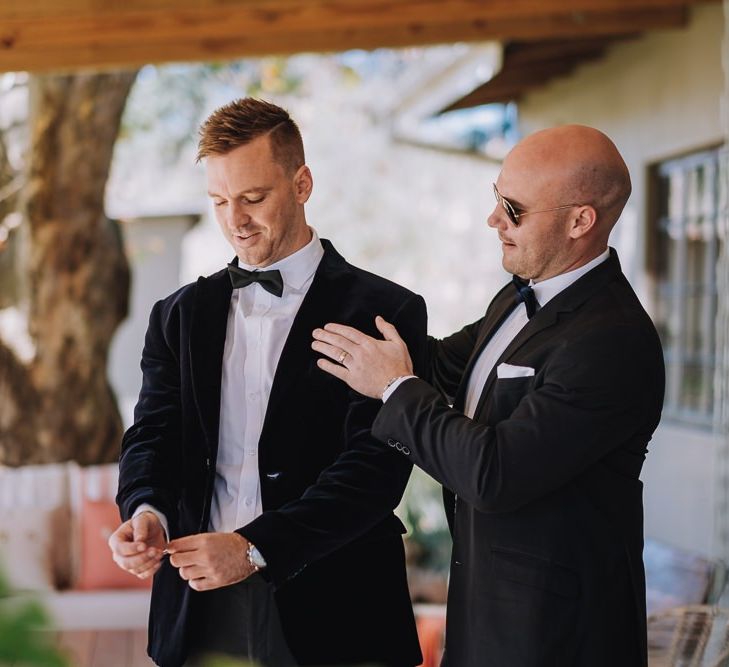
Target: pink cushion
x: 431, y: 633
x: 97, y: 569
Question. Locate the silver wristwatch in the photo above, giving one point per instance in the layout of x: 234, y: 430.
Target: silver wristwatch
x: 255, y: 558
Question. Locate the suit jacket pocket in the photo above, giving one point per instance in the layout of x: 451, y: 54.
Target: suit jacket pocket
x: 529, y: 570
x: 505, y: 396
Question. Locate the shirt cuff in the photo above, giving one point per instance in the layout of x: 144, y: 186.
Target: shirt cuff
x: 144, y: 507
x: 390, y: 390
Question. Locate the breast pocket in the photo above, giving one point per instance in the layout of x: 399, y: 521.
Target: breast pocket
x: 506, y: 395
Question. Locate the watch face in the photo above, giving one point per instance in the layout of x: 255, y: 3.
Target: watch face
x: 256, y: 558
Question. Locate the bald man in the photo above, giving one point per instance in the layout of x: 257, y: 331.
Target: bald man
x: 536, y: 420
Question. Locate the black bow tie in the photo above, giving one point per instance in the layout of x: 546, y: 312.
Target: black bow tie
x: 525, y: 294
x: 271, y: 281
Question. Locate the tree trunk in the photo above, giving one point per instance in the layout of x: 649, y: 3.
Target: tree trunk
x: 59, y: 406
x: 9, y: 188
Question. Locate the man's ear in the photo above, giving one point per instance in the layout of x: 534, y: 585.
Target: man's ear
x: 303, y: 184
x: 582, y: 221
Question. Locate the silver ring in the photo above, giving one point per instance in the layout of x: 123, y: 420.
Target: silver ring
x: 343, y: 356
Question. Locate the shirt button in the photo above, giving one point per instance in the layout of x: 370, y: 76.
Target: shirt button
x: 253, y: 396
x: 249, y: 502
x: 251, y: 452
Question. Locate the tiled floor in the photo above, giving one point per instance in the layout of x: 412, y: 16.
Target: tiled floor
x: 128, y: 648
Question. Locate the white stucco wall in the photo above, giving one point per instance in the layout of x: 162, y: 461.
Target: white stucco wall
x: 656, y: 97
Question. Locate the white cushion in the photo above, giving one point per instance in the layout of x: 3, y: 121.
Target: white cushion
x: 26, y: 548
x: 35, y: 485
x: 36, y: 533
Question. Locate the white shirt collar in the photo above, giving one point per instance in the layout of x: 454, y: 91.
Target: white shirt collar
x: 297, y: 268
x: 548, y: 289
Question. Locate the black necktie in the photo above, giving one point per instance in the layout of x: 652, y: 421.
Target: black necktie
x: 271, y: 281
x: 525, y: 294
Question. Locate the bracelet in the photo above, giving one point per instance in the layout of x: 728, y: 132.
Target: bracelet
x: 390, y: 383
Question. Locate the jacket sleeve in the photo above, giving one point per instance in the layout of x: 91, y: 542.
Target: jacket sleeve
x: 354, y: 494
x: 573, y: 416
x: 151, y: 446
x: 447, y: 359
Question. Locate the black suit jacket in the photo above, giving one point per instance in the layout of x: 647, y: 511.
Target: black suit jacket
x: 546, y: 504
x: 333, y: 546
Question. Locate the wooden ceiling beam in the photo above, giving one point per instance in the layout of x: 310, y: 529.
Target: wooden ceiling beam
x: 288, y: 14
x: 134, y: 38
x: 531, y: 75
x: 528, y: 52
x: 524, y: 70
x: 500, y: 95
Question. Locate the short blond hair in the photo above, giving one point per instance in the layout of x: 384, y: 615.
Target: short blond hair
x: 241, y: 121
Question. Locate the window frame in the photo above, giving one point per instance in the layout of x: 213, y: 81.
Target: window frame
x: 672, y: 286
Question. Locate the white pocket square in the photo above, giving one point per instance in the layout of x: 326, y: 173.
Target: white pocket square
x: 509, y: 371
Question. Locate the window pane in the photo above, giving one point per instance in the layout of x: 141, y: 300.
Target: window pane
x: 690, y: 194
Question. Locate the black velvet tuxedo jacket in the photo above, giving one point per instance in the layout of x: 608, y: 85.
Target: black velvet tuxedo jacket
x: 545, y: 504
x: 333, y: 546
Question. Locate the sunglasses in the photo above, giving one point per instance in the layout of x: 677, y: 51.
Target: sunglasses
x: 511, y: 211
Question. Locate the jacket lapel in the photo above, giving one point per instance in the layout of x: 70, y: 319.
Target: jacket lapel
x: 566, y: 301
x: 315, y: 311
x: 209, y: 322
x: 208, y: 326
x: 502, y: 305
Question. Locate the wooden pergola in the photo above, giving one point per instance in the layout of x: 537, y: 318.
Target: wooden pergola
x: 53, y: 35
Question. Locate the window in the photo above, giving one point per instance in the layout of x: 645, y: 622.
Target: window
x: 690, y: 204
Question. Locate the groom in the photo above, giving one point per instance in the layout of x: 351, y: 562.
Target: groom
x: 260, y: 470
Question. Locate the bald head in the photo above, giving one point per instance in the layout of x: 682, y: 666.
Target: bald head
x: 579, y: 165
x: 568, y: 185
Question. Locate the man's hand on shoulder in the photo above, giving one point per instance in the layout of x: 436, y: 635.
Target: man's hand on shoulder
x: 137, y: 546
x: 211, y: 560
x: 366, y: 364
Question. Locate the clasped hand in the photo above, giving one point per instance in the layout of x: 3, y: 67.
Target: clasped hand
x: 211, y: 560
x: 206, y: 560
x: 366, y: 364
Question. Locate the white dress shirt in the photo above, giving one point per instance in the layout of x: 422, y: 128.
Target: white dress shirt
x: 544, y: 291
x: 511, y: 326
x: 257, y: 329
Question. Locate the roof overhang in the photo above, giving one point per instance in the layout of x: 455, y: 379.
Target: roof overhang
x: 44, y: 35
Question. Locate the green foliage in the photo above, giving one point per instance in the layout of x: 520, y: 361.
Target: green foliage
x: 25, y: 637
x: 434, y: 545
x: 168, y: 102
x: 422, y: 513
x: 222, y: 661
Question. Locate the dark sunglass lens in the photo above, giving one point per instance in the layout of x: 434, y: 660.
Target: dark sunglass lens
x: 510, y: 212
x: 506, y: 204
